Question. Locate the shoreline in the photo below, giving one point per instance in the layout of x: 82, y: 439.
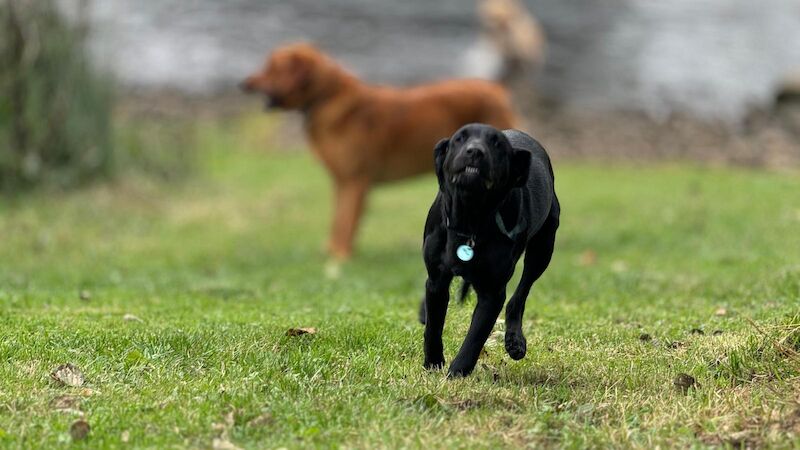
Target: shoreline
x: 765, y: 139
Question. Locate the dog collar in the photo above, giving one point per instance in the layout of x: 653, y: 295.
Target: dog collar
x: 466, y: 251
x: 514, y: 231
x: 521, y: 223
x: 469, y: 237
x: 498, y: 218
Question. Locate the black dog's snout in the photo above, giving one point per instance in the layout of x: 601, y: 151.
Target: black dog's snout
x: 475, y: 151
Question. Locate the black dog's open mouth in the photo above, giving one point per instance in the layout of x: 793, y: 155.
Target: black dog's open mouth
x: 271, y: 102
x: 469, y: 173
x: 470, y: 176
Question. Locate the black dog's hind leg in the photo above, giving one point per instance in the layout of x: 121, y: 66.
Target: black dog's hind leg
x: 434, y: 308
x: 483, y: 320
x: 537, y: 257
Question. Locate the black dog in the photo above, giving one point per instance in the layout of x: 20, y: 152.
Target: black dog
x: 496, y: 200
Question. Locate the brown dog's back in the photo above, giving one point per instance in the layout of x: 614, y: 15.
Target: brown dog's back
x: 389, y: 133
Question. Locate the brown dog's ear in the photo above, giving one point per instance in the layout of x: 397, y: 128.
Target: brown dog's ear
x: 301, y: 70
x: 439, y: 153
x: 520, y: 167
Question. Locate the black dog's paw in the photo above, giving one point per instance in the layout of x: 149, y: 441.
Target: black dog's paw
x: 434, y: 364
x: 459, y: 370
x: 516, y: 346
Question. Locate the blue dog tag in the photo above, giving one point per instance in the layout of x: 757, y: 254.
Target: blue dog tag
x: 465, y: 252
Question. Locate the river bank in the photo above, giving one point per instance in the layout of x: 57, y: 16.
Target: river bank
x: 767, y: 138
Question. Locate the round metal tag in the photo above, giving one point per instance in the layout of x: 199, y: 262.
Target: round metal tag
x: 465, y: 252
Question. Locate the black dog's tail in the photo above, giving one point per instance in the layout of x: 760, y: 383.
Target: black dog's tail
x: 464, y: 291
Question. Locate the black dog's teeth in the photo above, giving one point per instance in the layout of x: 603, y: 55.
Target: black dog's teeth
x: 470, y: 169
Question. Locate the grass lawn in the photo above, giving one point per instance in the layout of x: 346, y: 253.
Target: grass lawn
x: 189, y: 290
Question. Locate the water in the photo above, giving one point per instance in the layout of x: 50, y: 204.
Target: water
x: 711, y: 58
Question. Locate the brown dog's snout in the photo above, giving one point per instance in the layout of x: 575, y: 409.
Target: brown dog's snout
x: 246, y: 85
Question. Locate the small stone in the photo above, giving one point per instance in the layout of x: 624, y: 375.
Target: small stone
x: 684, y: 382
x: 673, y: 345
x: 79, y: 430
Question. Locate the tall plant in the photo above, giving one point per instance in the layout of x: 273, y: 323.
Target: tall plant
x: 55, y: 124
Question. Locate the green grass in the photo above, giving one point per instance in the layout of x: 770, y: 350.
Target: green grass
x: 219, y: 267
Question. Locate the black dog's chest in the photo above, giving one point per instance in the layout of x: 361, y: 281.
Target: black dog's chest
x: 488, y: 259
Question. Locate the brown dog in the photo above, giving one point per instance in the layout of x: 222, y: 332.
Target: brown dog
x: 516, y: 35
x: 368, y: 134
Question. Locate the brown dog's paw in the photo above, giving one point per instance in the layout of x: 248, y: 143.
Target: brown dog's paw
x: 516, y: 346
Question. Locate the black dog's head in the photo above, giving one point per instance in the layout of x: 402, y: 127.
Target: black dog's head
x: 479, y: 159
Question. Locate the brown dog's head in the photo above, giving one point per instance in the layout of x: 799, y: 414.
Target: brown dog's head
x: 294, y: 77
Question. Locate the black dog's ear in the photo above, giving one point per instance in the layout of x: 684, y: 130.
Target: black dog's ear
x: 520, y: 167
x: 439, y: 153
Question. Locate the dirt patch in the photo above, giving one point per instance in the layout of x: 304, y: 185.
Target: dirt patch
x: 66, y: 403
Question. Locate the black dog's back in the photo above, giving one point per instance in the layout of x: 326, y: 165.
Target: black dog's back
x: 540, y: 194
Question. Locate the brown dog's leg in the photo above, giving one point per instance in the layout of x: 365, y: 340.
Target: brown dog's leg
x: 350, y: 197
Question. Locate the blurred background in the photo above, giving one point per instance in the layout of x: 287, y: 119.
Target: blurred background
x: 157, y: 224
x: 714, y: 59
x: 708, y: 80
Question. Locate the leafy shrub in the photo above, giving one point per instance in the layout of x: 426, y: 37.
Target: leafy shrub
x: 55, y: 108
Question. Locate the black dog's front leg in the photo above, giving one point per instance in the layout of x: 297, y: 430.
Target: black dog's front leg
x: 437, y: 296
x: 537, y: 258
x: 483, y: 320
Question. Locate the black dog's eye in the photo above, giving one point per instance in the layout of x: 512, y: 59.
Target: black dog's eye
x: 459, y: 138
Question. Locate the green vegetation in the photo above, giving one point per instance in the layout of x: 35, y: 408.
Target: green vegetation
x: 175, y: 303
x: 54, y: 106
